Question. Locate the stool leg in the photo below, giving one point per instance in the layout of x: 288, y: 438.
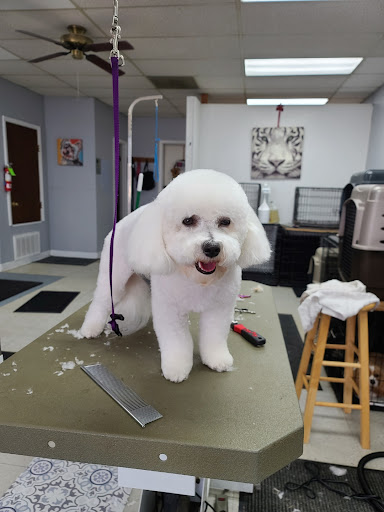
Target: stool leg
x: 315, y: 374
x: 349, y: 358
x: 305, y: 357
x: 364, y: 379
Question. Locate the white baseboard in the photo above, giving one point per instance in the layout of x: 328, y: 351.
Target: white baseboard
x: 76, y: 254
x: 9, y: 265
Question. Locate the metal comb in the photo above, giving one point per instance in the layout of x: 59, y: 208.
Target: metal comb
x: 122, y: 394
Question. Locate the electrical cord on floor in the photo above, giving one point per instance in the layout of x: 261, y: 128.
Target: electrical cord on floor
x: 336, y: 485
x: 376, y: 504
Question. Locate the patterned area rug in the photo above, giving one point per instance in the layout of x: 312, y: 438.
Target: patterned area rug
x: 53, y: 485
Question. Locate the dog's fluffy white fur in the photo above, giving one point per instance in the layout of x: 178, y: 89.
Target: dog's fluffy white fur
x: 192, y: 242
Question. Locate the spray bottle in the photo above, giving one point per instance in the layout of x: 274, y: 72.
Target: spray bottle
x: 264, y: 210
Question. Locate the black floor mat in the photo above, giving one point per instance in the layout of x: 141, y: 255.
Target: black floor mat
x: 48, y: 302
x: 299, y: 290
x: 59, y: 260
x: 272, y: 497
x: 9, y: 287
x: 293, y: 341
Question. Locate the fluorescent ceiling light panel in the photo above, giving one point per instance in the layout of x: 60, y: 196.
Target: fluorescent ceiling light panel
x: 295, y: 67
x: 287, y: 101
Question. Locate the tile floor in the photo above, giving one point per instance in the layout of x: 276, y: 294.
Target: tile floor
x: 334, y: 435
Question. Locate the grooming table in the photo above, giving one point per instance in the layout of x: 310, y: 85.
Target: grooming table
x: 242, y: 425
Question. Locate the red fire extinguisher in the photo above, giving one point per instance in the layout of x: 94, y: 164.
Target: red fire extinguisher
x: 8, y: 173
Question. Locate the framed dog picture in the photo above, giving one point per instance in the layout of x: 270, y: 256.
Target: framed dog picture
x: 277, y: 152
x: 70, y: 152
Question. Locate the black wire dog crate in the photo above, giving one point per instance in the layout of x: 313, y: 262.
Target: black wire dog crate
x: 268, y: 272
x: 317, y: 207
x: 253, y: 192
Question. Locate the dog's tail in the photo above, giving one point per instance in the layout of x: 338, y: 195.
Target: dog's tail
x: 135, y: 306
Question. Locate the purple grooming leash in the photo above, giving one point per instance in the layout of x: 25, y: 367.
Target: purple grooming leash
x: 115, y: 85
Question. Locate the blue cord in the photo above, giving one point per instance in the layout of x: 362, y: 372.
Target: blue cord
x: 156, y: 160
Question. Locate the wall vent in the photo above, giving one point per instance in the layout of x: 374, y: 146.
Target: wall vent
x: 26, y: 244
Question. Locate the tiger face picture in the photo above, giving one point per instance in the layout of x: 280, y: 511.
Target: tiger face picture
x: 277, y: 152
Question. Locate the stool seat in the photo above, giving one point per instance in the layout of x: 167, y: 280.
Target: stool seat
x: 356, y: 358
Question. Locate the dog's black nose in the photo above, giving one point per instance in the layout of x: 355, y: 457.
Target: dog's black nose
x: 211, y: 248
x: 372, y: 381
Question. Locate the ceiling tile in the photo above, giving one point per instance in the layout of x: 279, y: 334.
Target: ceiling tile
x: 30, y: 81
x: 170, y: 21
x: 105, y: 82
x: 85, y: 4
x: 18, y: 67
x: 371, y: 65
x: 179, y: 93
x: 364, y: 16
x: 222, y: 82
x: 233, y: 67
x: 345, y: 100
x: 29, y: 49
x: 124, y: 94
x: 56, y: 91
x: 350, y: 94
x: 363, y: 81
x: 50, y: 23
x: 185, y: 47
x: 82, y: 80
x: 5, y: 55
x: 270, y: 46
x: 292, y: 82
x: 66, y: 65
x: 14, y: 5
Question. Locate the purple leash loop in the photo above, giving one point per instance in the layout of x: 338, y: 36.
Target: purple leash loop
x: 115, y: 87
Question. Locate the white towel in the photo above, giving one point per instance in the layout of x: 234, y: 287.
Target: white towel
x: 335, y: 298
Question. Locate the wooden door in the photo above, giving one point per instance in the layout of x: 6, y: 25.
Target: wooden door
x: 23, y: 156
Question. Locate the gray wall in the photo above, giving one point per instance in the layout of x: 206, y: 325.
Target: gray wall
x: 22, y: 105
x: 105, y: 182
x: 72, y: 190
x: 375, y: 158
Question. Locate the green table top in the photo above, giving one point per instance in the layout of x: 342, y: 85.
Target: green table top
x: 242, y: 425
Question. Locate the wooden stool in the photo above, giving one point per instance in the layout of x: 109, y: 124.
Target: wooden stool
x: 311, y: 382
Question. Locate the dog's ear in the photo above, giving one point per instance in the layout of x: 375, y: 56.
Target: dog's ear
x: 256, y: 248
x: 146, y: 250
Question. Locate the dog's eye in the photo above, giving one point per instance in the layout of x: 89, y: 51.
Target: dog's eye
x: 190, y: 221
x: 224, y: 221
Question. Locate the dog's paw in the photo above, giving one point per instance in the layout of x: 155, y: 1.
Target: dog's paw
x: 90, y: 331
x: 219, y: 361
x: 174, y: 371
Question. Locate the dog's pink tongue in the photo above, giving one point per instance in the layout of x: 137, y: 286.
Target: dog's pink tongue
x: 207, y: 267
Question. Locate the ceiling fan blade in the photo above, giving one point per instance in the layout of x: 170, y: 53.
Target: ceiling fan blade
x: 106, y: 47
x: 103, y: 64
x: 47, y: 57
x: 40, y: 37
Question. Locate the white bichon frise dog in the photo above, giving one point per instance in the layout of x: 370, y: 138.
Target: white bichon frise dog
x: 192, y: 242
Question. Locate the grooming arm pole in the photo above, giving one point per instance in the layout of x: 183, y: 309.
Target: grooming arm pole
x: 129, y: 168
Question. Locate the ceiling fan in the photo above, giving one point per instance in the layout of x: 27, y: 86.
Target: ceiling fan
x: 77, y: 43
